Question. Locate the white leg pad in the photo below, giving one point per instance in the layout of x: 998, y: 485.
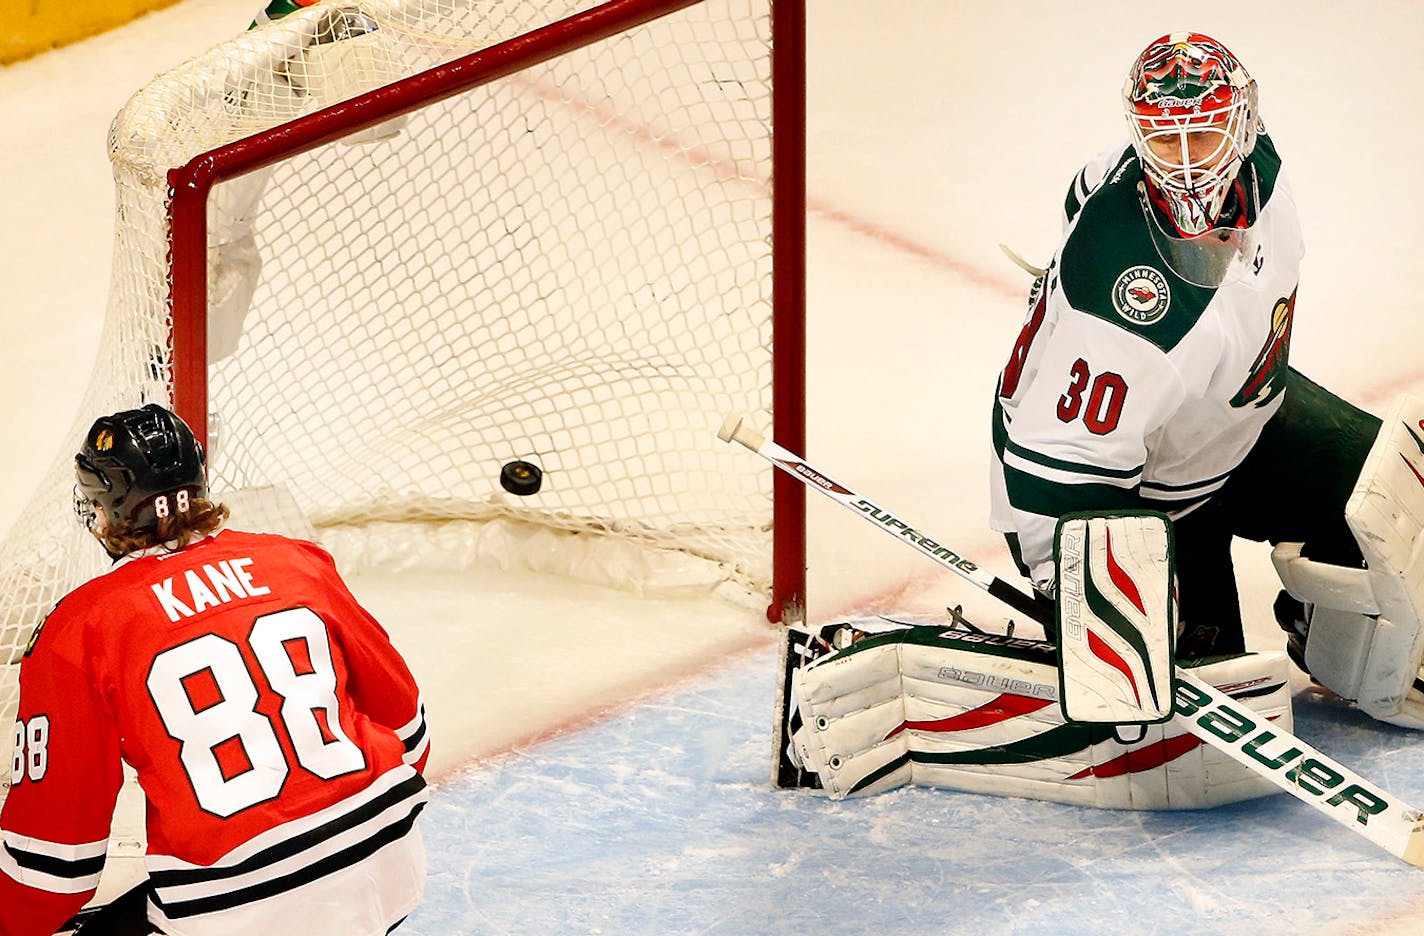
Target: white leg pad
x: 852, y: 707
x: 1366, y: 637
x: 979, y: 713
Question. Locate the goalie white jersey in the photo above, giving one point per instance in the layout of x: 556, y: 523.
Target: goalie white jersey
x: 1130, y: 387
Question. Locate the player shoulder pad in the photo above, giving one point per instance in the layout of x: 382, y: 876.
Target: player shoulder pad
x: 1091, y: 177
x: 1267, y: 164
x: 314, y: 552
x: 1110, y: 269
x: 39, y: 628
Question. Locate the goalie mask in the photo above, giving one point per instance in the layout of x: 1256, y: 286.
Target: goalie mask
x: 138, y: 466
x: 1193, y: 113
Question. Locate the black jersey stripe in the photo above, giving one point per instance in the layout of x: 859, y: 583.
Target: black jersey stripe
x: 56, y: 867
x: 1174, y: 508
x: 1033, y: 494
x: 1159, y: 486
x: 304, y: 875
x: 297, y: 843
x: 416, y: 737
x: 1058, y: 464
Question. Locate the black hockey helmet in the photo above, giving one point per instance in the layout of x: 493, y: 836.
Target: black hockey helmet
x: 138, y: 465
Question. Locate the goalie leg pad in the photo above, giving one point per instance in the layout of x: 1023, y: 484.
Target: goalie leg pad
x: 978, y: 712
x: 1365, y: 638
x: 1116, y: 617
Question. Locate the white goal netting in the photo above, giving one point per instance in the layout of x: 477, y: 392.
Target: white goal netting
x: 570, y: 265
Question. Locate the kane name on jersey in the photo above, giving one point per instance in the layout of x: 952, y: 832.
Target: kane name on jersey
x: 207, y: 587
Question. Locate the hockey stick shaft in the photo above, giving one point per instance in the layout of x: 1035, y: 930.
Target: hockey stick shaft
x: 734, y: 430
x: 1207, y: 712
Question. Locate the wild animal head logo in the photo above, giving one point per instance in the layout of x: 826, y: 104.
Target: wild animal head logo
x: 1184, y: 72
x: 1267, y: 377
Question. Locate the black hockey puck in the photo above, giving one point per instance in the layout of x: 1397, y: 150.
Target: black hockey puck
x: 520, y: 477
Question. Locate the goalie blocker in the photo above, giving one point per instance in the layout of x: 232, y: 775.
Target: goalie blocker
x: 1116, y: 617
x: 877, y: 704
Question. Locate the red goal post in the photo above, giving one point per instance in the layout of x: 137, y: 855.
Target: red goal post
x: 379, y: 248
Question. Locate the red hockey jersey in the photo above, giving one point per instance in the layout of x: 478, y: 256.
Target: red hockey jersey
x: 277, y: 735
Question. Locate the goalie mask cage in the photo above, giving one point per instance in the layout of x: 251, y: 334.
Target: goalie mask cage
x: 376, y: 250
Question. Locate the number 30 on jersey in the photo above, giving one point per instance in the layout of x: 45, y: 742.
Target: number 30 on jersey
x: 1106, y: 393
x: 1098, y: 399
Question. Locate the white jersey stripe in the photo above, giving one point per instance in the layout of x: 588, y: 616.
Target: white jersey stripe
x: 288, y: 831
x: 414, y: 735
x: 175, y: 894
x: 35, y: 846
x: 414, y: 755
x: 40, y: 880
x: 415, y: 724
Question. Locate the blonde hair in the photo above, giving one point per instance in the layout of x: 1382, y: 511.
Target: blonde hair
x: 174, y: 531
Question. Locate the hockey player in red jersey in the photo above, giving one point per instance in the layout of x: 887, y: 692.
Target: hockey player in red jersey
x: 278, y: 736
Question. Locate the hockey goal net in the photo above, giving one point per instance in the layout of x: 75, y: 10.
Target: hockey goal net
x: 377, y: 250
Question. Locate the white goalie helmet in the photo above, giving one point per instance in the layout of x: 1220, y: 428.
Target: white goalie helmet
x: 1193, y: 113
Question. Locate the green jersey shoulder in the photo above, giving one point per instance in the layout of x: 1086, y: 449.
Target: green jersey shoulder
x: 278, y: 9
x: 1111, y: 269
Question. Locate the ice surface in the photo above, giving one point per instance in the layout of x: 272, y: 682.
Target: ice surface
x: 661, y: 821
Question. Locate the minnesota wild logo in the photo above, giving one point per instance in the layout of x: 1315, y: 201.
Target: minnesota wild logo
x: 1268, y: 372
x: 1178, y: 89
x: 1183, y: 70
x: 1141, y: 295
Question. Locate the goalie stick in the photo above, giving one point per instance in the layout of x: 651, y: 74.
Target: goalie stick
x: 1205, y: 711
